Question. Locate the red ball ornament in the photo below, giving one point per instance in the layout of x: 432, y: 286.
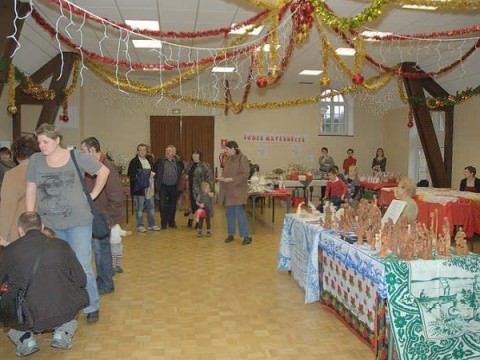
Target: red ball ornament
x: 357, y: 79
x: 410, y: 124
x: 262, y: 82
x: 308, y: 7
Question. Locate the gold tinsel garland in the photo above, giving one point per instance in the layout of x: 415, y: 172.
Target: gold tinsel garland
x: 376, y: 7
x: 12, y: 106
x: 107, y: 75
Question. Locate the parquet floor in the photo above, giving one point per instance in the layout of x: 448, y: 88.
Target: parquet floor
x: 186, y: 298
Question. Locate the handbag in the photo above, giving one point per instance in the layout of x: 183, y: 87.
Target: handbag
x: 100, y: 224
x: 14, y: 309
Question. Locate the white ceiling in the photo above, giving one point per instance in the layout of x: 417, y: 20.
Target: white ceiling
x: 37, y: 47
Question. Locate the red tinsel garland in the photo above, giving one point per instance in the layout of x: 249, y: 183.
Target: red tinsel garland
x: 413, y: 75
x: 141, y: 66
x: 246, y: 93
x: 432, y: 35
x: 161, y: 34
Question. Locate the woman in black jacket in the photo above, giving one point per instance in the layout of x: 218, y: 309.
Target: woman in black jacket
x: 470, y: 182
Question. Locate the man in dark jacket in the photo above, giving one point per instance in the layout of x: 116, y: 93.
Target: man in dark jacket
x: 142, y: 188
x: 168, y: 173
x: 57, y: 288
x: 111, y: 202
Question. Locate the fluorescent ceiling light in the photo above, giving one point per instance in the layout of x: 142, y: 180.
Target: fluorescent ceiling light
x: 419, y: 7
x: 223, y: 69
x: 345, y: 51
x: 157, y: 44
x: 370, y: 35
x: 266, y: 47
x: 242, y: 30
x: 310, y: 72
x: 143, y: 24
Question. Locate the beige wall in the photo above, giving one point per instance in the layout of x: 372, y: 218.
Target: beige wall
x: 121, y: 121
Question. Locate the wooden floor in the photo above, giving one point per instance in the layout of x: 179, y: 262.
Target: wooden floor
x: 187, y: 298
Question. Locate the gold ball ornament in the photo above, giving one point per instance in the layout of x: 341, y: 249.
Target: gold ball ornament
x: 12, y: 109
x: 324, y: 81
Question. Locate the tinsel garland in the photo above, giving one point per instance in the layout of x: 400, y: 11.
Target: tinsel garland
x: 376, y: 7
x: 451, y: 100
x: 421, y: 36
x: 38, y: 91
x: 414, y: 75
x: 110, y: 78
x: 78, y: 11
x: 142, y: 66
x: 12, y: 106
x: 246, y: 93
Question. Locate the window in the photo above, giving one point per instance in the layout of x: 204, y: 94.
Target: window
x: 334, y: 115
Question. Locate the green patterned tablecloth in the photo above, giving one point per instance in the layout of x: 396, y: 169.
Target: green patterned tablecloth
x: 434, y: 308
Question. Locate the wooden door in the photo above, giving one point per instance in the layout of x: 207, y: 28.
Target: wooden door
x: 187, y: 133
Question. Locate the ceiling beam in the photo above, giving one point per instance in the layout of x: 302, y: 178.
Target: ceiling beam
x: 59, y: 72
x: 440, y: 168
x: 8, y: 45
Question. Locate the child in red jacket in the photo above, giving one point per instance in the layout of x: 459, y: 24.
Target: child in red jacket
x: 336, y: 188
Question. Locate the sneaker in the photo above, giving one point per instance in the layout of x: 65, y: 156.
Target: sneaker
x: 209, y: 233
x: 93, y: 317
x: 229, y: 239
x: 26, y: 347
x: 141, y: 229
x: 154, y: 228
x: 61, y: 340
x: 118, y: 269
x: 199, y: 234
x: 247, y: 241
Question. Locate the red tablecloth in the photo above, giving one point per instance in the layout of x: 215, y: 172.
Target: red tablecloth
x: 464, y: 212
x: 377, y: 186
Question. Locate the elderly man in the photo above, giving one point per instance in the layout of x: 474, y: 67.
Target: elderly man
x: 54, y: 283
x: 110, y: 201
x: 168, y: 172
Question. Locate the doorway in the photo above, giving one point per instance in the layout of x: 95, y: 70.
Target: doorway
x: 187, y: 133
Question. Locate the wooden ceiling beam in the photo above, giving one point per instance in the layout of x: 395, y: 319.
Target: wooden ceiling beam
x: 440, y: 168
x: 8, y: 45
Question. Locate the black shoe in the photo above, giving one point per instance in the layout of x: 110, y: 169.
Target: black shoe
x: 247, y: 241
x: 190, y: 223
x: 93, y: 317
x: 229, y: 239
x: 172, y: 225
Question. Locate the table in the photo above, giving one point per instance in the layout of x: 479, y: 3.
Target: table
x: 307, y: 187
x: 275, y: 194
x: 299, y: 254
x: 459, y: 207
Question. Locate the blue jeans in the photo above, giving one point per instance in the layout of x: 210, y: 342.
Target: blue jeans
x: 80, y: 240
x: 236, y: 213
x: 141, y: 203
x: 103, y: 263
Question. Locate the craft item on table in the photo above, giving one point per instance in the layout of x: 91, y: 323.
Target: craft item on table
x: 347, y: 218
x: 434, y: 226
x: 426, y: 239
x: 313, y: 209
x: 444, y: 240
x: 370, y: 238
x: 385, y: 236
x: 461, y: 242
x: 328, y: 221
x: 407, y: 240
x: 360, y: 232
x: 299, y: 208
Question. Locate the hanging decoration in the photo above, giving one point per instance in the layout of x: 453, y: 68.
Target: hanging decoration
x: 451, y: 100
x: 12, y: 107
x: 410, y: 118
x: 143, y: 66
x: 357, y: 78
x: 224, y: 31
x: 302, y: 11
x: 64, y: 117
x: 246, y: 93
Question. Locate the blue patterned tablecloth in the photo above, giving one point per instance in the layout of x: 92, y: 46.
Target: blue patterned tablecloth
x: 358, y: 258
x: 299, y: 254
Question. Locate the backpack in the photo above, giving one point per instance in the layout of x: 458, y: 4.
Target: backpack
x: 142, y: 180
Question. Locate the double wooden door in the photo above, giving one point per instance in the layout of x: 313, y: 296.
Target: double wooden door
x: 187, y: 133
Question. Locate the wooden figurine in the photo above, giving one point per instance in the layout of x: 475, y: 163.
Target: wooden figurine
x: 461, y: 242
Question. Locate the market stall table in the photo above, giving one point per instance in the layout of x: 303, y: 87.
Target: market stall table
x: 272, y: 195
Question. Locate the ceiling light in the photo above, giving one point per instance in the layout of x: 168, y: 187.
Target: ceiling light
x: 244, y: 29
x: 143, y: 24
x: 223, y: 69
x: 266, y: 47
x: 310, y: 72
x: 345, y: 51
x: 419, y: 7
x: 372, y: 35
x: 144, y: 44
